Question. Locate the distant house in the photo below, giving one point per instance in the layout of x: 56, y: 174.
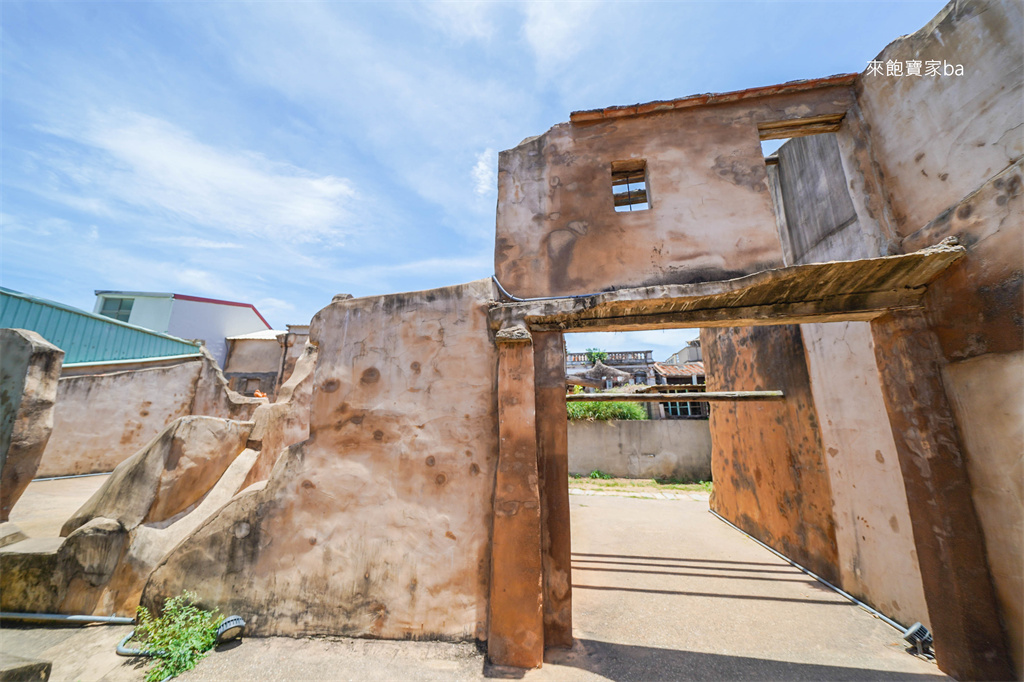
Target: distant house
x: 690, y: 353
x: 189, y: 317
x: 88, y: 339
x: 264, y: 360
x: 637, y: 363
x: 686, y: 377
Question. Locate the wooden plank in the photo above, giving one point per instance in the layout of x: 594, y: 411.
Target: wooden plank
x: 711, y: 396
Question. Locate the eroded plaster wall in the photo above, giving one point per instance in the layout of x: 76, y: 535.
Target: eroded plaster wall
x: 711, y: 215
x: 874, y: 537
x: 102, y: 419
x: 768, y: 463
x: 379, y: 524
x: 950, y: 150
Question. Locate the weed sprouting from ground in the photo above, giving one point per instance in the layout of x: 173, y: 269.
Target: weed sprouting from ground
x: 178, y: 638
x: 597, y: 473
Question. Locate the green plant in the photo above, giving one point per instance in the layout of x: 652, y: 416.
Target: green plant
x: 596, y: 354
x: 593, y: 410
x: 597, y: 473
x: 178, y: 638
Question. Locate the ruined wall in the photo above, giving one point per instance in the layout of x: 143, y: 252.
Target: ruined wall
x: 875, y: 540
x: 950, y: 149
x: 558, y: 232
x: 102, y: 419
x: 822, y: 188
x: 379, y: 524
x: 664, y: 448
x: 29, y: 369
x: 768, y: 464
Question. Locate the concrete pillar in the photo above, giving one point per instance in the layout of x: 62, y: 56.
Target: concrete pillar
x: 516, y: 625
x: 969, y: 638
x: 553, y: 454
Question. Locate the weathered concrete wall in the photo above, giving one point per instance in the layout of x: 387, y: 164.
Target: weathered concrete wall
x: 379, y: 524
x: 102, y: 419
x: 253, y: 356
x: 957, y: 172
x: 111, y: 544
x: 874, y: 537
x: 664, y: 448
x: 985, y: 393
x: 768, y: 463
x: 285, y: 421
x: 29, y: 370
x: 558, y: 232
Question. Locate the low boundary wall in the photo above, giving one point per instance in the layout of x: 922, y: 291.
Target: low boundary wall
x: 662, y: 448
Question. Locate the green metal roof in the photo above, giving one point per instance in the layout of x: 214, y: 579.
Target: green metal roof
x: 87, y: 337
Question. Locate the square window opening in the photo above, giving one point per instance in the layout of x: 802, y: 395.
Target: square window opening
x: 117, y: 308
x: 629, y: 186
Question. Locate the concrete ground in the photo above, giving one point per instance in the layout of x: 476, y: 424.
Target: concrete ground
x: 46, y: 505
x: 662, y: 590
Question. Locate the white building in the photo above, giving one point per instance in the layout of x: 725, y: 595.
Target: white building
x: 187, y: 317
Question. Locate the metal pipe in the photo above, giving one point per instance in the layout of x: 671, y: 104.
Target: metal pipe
x: 61, y: 478
x: 876, y: 614
x: 108, y: 620
x: 516, y: 299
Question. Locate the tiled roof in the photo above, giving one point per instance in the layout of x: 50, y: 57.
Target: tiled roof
x: 688, y: 369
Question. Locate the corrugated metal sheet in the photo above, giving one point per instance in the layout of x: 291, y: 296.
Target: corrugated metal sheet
x: 86, y: 337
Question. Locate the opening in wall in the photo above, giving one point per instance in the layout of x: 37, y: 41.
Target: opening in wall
x: 629, y: 185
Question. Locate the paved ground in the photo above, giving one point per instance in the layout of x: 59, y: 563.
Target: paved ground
x: 662, y: 591
x: 46, y: 505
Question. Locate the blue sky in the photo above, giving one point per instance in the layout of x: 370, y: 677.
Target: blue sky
x: 279, y: 153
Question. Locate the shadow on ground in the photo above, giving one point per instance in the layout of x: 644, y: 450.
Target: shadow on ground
x: 625, y: 662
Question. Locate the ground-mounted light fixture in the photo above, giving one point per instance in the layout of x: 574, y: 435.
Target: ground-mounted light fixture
x: 231, y: 628
x: 918, y: 636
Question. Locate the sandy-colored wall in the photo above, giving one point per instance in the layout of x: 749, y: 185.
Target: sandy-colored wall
x: 875, y: 541
x: 558, y: 232
x: 253, y: 355
x: 29, y: 372
x: 102, y: 419
x: 767, y: 461
x: 950, y: 151
x: 664, y: 448
x: 985, y: 393
x: 379, y: 524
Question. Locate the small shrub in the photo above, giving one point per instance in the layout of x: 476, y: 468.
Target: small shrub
x: 602, y: 411
x: 595, y: 355
x: 597, y: 473
x: 179, y: 638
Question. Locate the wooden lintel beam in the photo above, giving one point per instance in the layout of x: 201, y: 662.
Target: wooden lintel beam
x: 791, y: 313
x: 709, y: 397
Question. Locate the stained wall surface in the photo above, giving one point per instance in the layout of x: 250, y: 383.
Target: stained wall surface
x: 558, y: 232
x: 379, y: 524
x: 950, y: 149
x: 662, y: 448
x: 768, y: 465
x: 875, y: 541
x: 102, y: 419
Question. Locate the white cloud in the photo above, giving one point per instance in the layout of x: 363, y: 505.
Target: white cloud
x: 151, y: 164
x: 557, y: 31
x: 485, y: 172
x: 463, y: 20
